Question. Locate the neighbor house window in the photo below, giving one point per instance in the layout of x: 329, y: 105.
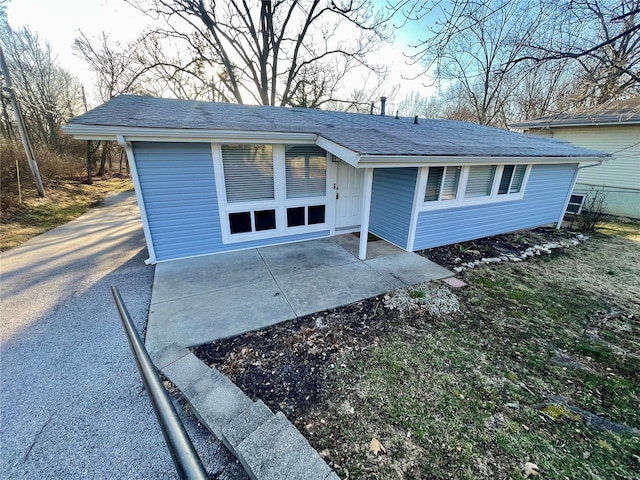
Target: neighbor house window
x: 442, y: 184
x: 456, y: 185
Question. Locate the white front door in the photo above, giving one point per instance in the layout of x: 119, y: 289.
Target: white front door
x: 348, y: 197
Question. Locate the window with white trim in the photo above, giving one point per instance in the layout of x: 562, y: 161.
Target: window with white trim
x: 249, y: 177
x: 248, y: 172
x: 306, y: 171
x: 462, y: 185
x: 512, y: 178
x: 270, y: 190
x: 442, y: 184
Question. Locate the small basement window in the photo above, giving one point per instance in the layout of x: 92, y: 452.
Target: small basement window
x: 576, y: 202
x: 240, y: 222
x: 256, y: 221
x: 310, y: 215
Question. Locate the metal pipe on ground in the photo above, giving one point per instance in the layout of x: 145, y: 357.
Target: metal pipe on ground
x: 185, y: 458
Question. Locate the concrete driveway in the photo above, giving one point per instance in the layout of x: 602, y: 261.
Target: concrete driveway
x: 71, y: 400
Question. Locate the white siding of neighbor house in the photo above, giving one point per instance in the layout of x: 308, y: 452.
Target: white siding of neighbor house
x: 619, y: 176
x: 543, y: 202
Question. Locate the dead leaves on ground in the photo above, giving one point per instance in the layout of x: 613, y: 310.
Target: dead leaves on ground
x: 530, y: 469
x: 376, y: 447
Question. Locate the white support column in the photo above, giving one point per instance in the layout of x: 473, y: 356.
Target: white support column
x: 366, y: 210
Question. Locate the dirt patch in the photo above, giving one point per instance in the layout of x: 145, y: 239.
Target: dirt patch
x: 285, y: 365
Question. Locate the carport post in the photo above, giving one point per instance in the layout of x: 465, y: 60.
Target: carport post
x: 366, y: 210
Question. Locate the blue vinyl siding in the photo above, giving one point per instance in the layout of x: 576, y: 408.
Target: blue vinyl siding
x: 179, y: 194
x: 391, y: 203
x: 543, y: 201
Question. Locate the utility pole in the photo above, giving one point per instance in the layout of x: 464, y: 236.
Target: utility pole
x: 21, y: 127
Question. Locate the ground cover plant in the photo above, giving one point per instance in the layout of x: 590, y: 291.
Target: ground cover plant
x: 532, y: 369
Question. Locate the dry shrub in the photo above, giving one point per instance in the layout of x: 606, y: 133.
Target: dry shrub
x: 53, y: 167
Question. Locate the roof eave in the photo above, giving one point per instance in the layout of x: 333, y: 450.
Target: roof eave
x: 382, y: 161
x: 542, y: 126
x: 148, y: 134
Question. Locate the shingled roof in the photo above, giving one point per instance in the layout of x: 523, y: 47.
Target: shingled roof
x: 365, y: 135
x: 623, y: 112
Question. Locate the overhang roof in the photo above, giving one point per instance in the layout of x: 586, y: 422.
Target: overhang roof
x: 368, y: 138
x: 623, y: 112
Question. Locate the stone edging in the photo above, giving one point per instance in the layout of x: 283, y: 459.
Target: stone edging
x: 544, y: 248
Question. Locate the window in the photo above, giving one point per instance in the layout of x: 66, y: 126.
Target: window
x: 267, y: 191
x: 455, y: 185
x: 442, y: 183
x: 311, y: 215
x: 306, y: 171
x: 512, y: 178
x: 248, y: 172
x: 480, y: 181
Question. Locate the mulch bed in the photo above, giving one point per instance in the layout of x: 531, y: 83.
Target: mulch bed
x: 285, y: 365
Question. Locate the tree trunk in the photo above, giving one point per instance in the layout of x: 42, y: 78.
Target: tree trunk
x: 103, y: 158
x: 89, y: 162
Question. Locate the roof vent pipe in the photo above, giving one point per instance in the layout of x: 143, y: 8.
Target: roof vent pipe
x: 415, y: 120
x: 383, y: 101
x: 371, y: 111
x: 397, y: 117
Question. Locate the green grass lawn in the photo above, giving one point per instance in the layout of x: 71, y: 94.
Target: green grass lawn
x: 478, y: 393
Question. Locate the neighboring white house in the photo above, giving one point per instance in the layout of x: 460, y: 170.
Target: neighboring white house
x: 613, y: 128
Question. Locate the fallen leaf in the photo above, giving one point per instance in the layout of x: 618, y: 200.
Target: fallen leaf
x: 530, y: 469
x: 376, y: 447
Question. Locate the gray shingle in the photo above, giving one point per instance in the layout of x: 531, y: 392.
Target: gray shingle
x: 622, y: 112
x: 363, y: 134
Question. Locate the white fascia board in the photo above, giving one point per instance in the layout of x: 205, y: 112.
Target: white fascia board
x: 141, y: 134
x: 540, y: 126
x: 392, y: 161
x: 343, y: 153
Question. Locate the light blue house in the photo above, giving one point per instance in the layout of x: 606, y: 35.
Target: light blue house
x: 216, y: 177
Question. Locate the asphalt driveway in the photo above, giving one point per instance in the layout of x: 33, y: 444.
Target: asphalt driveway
x: 71, y: 400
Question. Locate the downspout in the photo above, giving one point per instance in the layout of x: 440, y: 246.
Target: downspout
x: 141, y: 205
x: 573, y: 185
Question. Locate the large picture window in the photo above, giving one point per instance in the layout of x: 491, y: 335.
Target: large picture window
x: 306, y: 171
x: 458, y: 185
x: 270, y: 190
x: 248, y: 172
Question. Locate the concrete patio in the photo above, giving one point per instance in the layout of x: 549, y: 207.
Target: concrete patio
x: 202, y: 299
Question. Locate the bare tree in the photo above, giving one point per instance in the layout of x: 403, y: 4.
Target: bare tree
x: 603, y: 38
x: 472, y: 50
x: 284, y: 52
x: 48, y: 94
